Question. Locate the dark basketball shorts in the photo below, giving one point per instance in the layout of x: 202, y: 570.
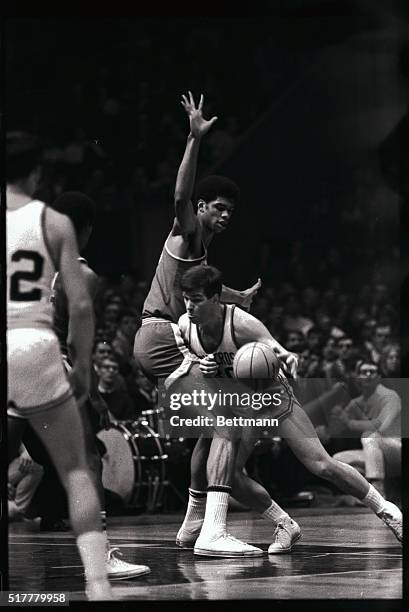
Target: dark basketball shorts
x: 160, y: 351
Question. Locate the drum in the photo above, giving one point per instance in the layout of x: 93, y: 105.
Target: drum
x: 134, y: 464
x: 153, y: 417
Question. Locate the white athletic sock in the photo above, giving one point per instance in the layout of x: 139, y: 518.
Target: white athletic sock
x: 274, y: 513
x: 92, y: 548
x: 196, y: 507
x: 216, y: 513
x: 374, y: 500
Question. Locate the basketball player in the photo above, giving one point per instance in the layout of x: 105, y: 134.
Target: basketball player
x: 41, y: 241
x: 80, y: 209
x: 159, y: 347
x: 210, y: 328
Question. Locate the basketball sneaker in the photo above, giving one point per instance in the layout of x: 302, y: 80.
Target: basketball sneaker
x: 225, y: 545
x: 187, y: 535
x: 118, y: 569
x: 392, y: 517
x: 286, y: 534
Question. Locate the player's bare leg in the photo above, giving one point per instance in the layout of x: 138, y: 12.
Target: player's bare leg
x: 117, y: 568
x: 252, y: 494
x: 196, y: 508
x: 62, y: 433
x: 219, y: 469
x: 246, y: 490
x: 302, y: 438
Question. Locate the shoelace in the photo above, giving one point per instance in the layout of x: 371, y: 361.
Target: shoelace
x: 279, y: 531
x: 111, y: 555
x: 230, y: 537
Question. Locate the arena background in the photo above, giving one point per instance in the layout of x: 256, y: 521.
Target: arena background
x: 312, y: 107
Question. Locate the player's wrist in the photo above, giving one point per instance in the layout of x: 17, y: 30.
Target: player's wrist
x: 194, y: 137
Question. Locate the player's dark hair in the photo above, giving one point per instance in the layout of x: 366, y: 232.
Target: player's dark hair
x: 23, y: 155
x: 202, y: 278
x: 78, y: 207
x: 214, y: 186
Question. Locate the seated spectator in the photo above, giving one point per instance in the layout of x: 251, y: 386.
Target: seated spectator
x: 331, y: 364
x: 120, y: 405
x: 142, y: 391
x: 124, y: 337
x: 326, y: 327
x: 314, y: 339
x: 102, y: 350
x: 24, y: 476
x: 389, y: 363
x: 295, y: 341
x: 375, y: 417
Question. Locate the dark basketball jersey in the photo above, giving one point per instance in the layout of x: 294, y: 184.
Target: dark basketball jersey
x: 165, y: 298
x: 61, y: 313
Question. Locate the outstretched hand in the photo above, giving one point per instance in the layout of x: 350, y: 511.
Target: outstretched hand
x: 249, y: 294
x: 198, y: 125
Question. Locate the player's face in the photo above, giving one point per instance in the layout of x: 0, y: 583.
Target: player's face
x: 216, y: 214
x: 198, y: 306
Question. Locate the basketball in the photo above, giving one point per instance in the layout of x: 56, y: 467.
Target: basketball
x: 256, y: 360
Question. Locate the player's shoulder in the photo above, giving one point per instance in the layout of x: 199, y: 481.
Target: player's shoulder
x: 57, y: 224
x: 183, y: 321
x: 241, y: 316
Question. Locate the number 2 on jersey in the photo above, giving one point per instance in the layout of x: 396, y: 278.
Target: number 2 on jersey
x: 32, y: 295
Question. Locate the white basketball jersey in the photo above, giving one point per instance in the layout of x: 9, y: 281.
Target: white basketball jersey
x: 30, y: 268
x: 227, y: 348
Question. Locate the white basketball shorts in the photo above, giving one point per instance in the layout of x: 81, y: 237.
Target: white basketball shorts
x: 37, y: 380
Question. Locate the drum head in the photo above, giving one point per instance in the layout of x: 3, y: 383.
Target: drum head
x: 118, y: 466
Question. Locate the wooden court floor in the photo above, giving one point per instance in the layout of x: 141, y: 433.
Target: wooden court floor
x: 343, y: 554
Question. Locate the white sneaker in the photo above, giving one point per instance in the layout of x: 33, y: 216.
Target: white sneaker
x: 188, y: 534
x: 285, y: 535
x: 117, y: 569
x: 392, y: 517
x: 99, y: 590
x: 225, y: 545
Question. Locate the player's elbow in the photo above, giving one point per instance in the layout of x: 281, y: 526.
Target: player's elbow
x: 180, y: 199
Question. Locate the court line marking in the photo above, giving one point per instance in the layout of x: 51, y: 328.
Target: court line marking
x: 158, y: 546
x: 136, y: 589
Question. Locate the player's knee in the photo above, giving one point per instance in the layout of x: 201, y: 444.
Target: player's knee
x: 79, y: 478
x: 238, y: 475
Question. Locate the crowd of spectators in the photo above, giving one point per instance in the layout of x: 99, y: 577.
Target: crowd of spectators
x: 115, y: 135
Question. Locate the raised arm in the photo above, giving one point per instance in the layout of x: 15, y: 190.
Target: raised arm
x: 186, y: 220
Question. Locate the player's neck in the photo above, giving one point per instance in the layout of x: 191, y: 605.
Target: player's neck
x: 212, y: 325
x: 16, y: 197
x: 207, y: 234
